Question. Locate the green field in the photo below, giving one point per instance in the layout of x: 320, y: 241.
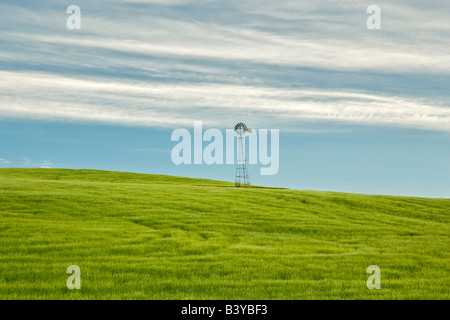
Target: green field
x: 138, y: 236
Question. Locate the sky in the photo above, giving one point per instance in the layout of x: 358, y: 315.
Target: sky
x: 359, y: 110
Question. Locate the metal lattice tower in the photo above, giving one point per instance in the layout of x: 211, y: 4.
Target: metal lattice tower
x: 242, y: 179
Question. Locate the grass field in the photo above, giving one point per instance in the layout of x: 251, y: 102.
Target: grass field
x: 138, y: 236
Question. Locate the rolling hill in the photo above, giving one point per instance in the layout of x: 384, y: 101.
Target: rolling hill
x: 140, y: 236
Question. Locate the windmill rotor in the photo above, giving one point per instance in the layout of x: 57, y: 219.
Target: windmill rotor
x: 241, y: 128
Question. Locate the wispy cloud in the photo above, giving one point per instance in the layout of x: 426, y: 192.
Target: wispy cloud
x: 41, y: 164
x: 44, y: 164
x: 332, y: 36
x: 168, y: 63
x: 265, y: 48
x: 40, y: 95
x: 4, y: 161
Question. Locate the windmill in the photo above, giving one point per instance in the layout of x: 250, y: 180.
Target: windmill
x: 242, y: 179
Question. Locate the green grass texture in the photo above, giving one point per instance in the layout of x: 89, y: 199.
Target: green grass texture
x: 141, y: 236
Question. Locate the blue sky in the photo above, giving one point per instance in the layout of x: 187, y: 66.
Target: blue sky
x: 358, y: 110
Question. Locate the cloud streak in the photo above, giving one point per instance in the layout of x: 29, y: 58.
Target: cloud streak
x: 46, y: 96
x: 262, y: 48
x: 4, y: 161
x: 165, y: 64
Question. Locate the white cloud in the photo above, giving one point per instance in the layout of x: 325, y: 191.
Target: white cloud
x: 331, y: 35
x: 209, y: 41
x: 41, y: 164
x: 200, y: 63
x: 48, y: 96
x: 44, y: 164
